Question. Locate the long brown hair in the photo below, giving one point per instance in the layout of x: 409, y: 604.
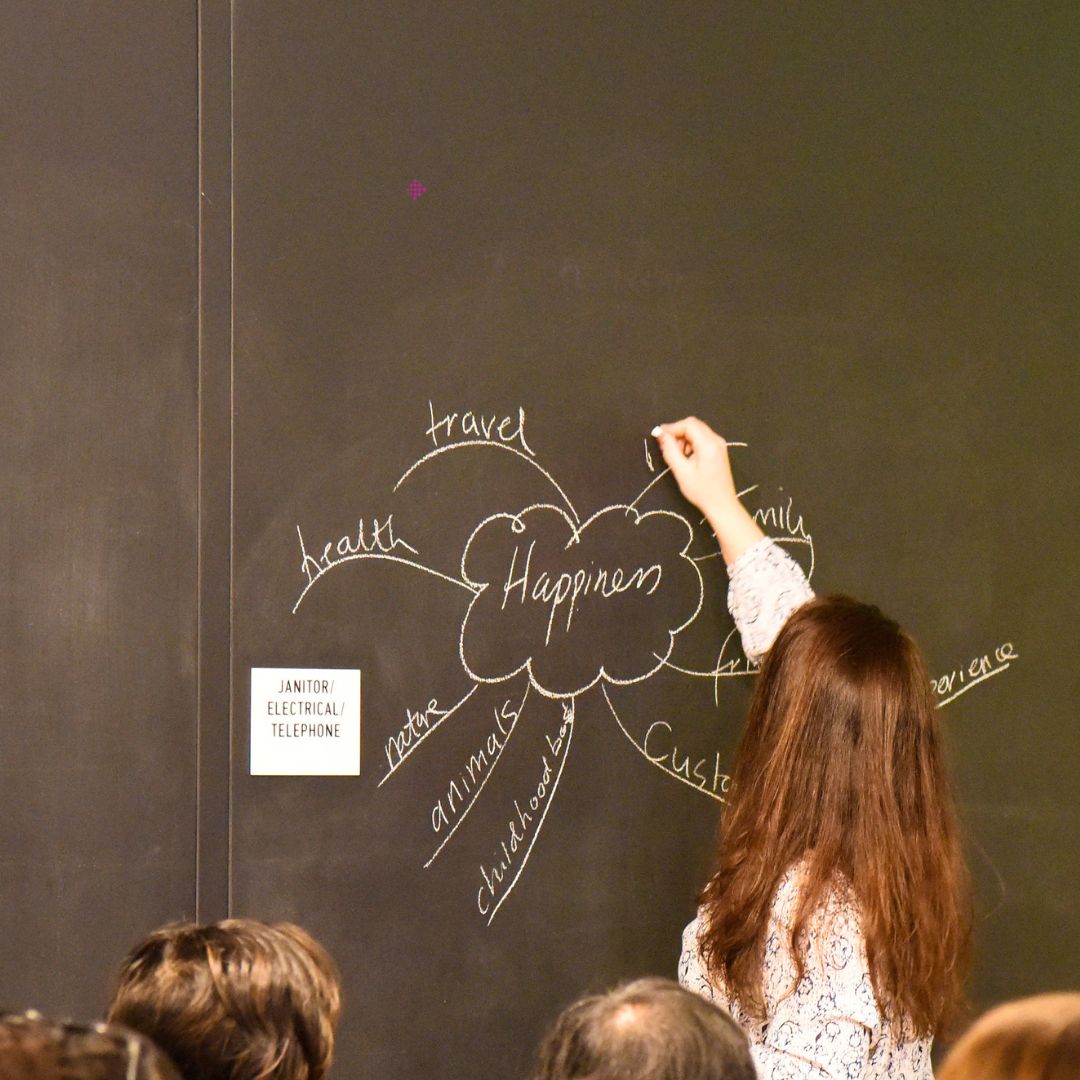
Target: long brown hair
x: 233, y: 1000
x: 840, y: 772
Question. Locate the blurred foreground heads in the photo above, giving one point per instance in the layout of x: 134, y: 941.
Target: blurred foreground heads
x: 651, y: 1029
x: 1037, y: 1038
x: 33, y: 1048
x: 233, y: 1000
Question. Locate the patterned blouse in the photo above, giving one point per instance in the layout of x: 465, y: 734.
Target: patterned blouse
x: 828, y: 1025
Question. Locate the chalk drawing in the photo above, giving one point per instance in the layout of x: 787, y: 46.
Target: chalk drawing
x: 569, y: 607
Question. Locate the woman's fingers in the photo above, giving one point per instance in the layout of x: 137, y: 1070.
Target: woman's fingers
x: 691, y: 435
x: 698, y: 459
x: 676, y: 450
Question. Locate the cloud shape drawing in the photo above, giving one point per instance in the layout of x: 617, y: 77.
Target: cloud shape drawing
x: 576, y: 604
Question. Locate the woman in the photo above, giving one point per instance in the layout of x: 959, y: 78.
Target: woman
x: 836, y: 926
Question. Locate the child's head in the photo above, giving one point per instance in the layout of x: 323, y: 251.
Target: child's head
x: 233, y: 1000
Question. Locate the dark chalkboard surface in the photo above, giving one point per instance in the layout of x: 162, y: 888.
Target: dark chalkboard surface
x: 98, y: 443
x: 453, y: 264
x: 847, y: 241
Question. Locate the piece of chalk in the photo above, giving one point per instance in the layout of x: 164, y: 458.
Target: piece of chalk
x: 657, y: 432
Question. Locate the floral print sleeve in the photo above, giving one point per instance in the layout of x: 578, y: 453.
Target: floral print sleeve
x: 766, y: 586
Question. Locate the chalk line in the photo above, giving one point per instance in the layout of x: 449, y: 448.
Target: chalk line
x: 547, y: 807
x: 390, y: 558
x: 430, y: 731
x: 641, y: 751
x: 476, y: 793
x: 495, y: 446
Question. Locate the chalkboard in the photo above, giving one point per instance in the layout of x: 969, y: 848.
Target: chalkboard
x: 480, y: 252
x: 98, y: 506
x: 452, y: 266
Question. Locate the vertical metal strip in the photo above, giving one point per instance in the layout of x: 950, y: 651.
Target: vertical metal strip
x: 214, y: 719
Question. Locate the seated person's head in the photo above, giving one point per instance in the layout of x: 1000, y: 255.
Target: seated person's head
x: 651, y: 1029
x: 1037, y: 1038
x: 234, y: 1000
x: 33, y: 1048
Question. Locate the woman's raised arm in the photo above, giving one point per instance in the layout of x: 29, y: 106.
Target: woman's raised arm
x: 767, y: 585
x: 698, y: 459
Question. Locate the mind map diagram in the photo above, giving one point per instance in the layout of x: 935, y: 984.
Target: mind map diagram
x: 560, y: 605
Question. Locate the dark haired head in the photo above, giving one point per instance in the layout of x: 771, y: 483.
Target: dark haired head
x: 233, y: 1000
x: 651, y: 1029
x: 33, y: 1048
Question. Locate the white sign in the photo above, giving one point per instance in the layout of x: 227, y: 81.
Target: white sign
x: 305, y: 722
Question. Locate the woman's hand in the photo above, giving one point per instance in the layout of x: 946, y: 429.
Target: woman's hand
x: 698, y: 459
